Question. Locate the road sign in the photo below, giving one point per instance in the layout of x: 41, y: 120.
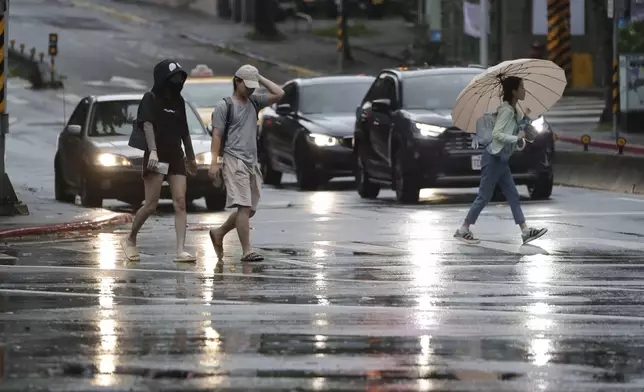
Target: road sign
x: 610, y: 8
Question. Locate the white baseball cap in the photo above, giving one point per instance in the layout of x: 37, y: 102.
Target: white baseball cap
x: 249, y: 74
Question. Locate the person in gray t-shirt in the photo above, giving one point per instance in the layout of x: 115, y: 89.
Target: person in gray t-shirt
x: 238, y: 164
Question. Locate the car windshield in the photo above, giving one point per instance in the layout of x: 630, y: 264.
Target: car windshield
x: 434, y: 92
x: 206, y: 95
x: 115, y: 118
x: 333, y: 97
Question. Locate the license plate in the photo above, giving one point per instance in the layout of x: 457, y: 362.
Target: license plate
x: 476, y: 162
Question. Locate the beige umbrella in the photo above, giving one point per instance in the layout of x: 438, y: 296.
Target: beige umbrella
x: 544, y: 82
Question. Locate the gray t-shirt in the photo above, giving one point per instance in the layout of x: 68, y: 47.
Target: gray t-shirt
x: 241, y: 141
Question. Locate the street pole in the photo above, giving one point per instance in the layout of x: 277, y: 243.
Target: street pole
x: 4, y: 117
x: 483, y: 43
x: 340, y: 36
x: 615, y: 86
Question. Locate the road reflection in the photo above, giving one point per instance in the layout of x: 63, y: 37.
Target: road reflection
x: 322, y: 202
x: 538, y: 272
x: 107, y: 325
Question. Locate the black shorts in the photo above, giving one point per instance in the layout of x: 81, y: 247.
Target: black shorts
x: 177, y: 166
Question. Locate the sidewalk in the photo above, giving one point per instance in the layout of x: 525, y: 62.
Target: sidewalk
x: 47, y: 216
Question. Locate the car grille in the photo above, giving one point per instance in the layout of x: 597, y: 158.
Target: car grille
x: 347, y: 141
x: 457, y: 140
x: 137, y: 162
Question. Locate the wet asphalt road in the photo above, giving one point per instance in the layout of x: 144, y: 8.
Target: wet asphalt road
x: 354, y: 295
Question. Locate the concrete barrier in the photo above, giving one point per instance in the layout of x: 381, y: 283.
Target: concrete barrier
x: 617, y: 173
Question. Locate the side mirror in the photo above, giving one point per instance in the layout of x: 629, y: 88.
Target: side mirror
x: 74, y: 129
x: 284, y: 109
x: 209, y: 128
x: 381, y: 105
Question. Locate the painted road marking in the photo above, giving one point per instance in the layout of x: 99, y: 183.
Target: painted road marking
x: 243, y: 307
x: 630, y: 199
x: 593, y: 285
x: 110, y: 11
x: 70, y: 98
x: 12, y: 99
x: 126, y: 62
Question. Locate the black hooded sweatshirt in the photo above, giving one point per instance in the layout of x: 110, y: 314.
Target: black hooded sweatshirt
x: 167, y: 113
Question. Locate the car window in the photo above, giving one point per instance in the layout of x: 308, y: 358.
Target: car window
x: 434, y: 92
x: 290, y: 94
x: 341, y: 97
x: 377, y: 90
x: 206, y: 95
x: 80, y: 113
x: 115, y: 118
x: 390, y: 92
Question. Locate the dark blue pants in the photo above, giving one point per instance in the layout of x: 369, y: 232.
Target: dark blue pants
x: 495, y: 171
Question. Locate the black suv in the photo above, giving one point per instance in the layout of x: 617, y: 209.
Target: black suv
x: 404, y: 138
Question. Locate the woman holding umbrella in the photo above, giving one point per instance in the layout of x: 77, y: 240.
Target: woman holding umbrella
x: 476, y: 100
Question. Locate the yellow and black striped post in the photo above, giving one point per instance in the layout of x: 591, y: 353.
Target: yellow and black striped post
x: 559, y: 37
x: 615, y: 87
x: 3, y: 82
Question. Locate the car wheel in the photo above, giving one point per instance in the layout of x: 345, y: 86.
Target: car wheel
x: 405, y: 183
x: 541, y: 188
x: 366, y: 188
x: 89, y: 196
x: 270, y: 176
x: 216, y: 201
x: 308, y: 179
x: 60, y: 188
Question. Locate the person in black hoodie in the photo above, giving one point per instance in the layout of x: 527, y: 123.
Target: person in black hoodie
x: 162, y: 114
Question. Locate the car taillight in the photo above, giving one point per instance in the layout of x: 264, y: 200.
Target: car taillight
x: 269, y: 121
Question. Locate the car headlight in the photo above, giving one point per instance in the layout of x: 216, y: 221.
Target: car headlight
x: 204, y: 158
x: 111, y: 160
x: 323, y: 140
x: 539, y: 124
x: 428, y: 130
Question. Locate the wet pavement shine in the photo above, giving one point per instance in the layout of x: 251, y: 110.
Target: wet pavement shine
x: 354, y: 295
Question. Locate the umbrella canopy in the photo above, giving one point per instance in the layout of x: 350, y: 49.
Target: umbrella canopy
x: 543, y: 80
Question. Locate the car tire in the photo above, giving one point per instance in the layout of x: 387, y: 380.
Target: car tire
x: 89, y: 196
x: 269, y: 175
x: 405, y: 183
x: 308, y: 179
x: 216, y: 200
x: 60, y: 188
x: 541, y: 188
x: 366, y: 188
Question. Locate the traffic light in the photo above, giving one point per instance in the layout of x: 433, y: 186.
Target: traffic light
x: 53, y: 44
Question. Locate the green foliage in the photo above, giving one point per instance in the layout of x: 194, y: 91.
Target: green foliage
x: 631, y: 38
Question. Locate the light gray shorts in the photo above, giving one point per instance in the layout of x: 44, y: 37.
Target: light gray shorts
x: 243, y: 183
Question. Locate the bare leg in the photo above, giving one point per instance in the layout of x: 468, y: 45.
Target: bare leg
x: 152, y: 183
x: 178, y: 189
x: 217, y: 235
x: 242, y: 223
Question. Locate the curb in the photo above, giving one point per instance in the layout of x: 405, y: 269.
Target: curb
x: 607, y: 145
x: 114, y: 220
x: 227, y: 48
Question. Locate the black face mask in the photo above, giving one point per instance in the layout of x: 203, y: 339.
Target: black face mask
x: 174, y: 87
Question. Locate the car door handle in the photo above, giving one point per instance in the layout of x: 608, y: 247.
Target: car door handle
x: 376, y: 122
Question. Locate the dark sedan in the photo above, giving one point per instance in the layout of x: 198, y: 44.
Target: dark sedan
x: 405, y: 138
x: 93, y: 158
x: 309, y: 132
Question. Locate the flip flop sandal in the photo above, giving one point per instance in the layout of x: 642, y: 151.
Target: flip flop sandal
x: 252, y: 257
x: 185, y: 257
x: 219, y: 248
x: 131, y: 252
